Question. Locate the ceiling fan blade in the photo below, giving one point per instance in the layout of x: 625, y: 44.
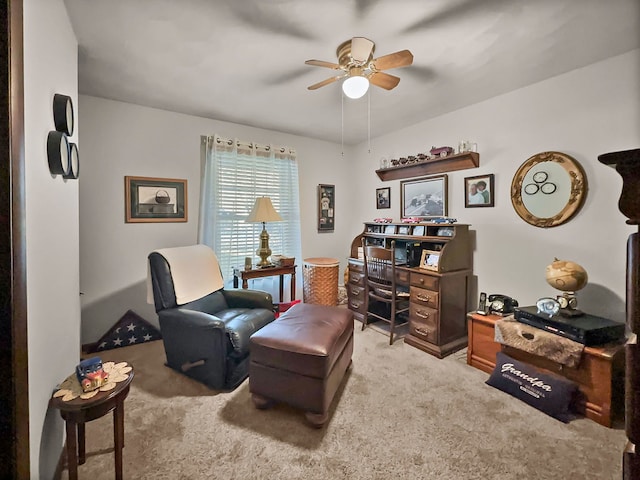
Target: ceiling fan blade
x: 361, y: 49
x: 329, y: 80
x: 393, y: 60
x: 384, y: 80
x: 321, y: 63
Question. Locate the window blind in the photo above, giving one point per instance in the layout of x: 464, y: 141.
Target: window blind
x: 235, y: 174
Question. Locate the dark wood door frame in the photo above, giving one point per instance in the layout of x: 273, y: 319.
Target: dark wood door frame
x: 14, y: 384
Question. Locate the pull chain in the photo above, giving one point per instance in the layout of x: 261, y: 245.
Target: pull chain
x: 342, y: 117
x: 369, y: 120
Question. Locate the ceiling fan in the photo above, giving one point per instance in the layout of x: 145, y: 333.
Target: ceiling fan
x: 359, y: 68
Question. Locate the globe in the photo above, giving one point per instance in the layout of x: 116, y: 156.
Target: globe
x: 566, y: 276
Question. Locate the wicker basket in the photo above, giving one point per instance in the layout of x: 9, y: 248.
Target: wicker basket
x: 320, y: 277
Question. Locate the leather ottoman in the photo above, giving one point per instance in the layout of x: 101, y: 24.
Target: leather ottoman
x: 300, y: 359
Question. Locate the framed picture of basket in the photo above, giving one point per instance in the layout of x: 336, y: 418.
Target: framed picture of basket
x: 150, y: 199
x: 424, y: 197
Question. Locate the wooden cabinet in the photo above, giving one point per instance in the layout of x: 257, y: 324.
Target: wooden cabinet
x: 600, y: 374
x: 438, y: 298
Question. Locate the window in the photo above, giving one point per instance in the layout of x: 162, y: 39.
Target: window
x: 235, y: 173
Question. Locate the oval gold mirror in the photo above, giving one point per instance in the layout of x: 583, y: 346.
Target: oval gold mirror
x: 548, y: 189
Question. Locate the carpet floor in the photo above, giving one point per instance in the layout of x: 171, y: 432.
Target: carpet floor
x: 400, y: 413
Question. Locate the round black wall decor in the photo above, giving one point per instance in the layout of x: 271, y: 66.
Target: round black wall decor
x: 58, y: 153
x: 74, y: 162
x: 63, y: 113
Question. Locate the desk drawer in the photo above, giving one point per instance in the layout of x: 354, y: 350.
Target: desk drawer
x: 355, y: 291
x: 423, y: 322
x: 424, y: 297
x: 356, y: 278
x: 424, y: 281
x: 356, y: 266
x: 356, y: 304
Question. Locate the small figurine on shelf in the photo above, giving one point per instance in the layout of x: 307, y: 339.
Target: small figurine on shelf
x: 90, y: 374
x: 441, y: 151
x: 443, y: 220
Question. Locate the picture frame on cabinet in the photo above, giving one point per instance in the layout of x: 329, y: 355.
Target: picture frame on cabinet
x: 150, y: 200
x: 424, y: 197
x: 326, y: 208
x: 478, y: 191
x: 383, y: 197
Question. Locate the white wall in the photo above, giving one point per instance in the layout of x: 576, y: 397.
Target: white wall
x: 583, y: 113
x: 53, y: 305
x: 122, y: 139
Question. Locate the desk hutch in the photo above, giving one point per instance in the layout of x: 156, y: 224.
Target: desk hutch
x: 438, y: 297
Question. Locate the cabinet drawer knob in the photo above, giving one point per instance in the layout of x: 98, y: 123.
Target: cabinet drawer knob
x: 355, y: 305
x: 422, y: 314
x: 421, y: 280
x: 355, y: 291
x: 423, y: 298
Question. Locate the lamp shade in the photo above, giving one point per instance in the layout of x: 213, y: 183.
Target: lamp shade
x: 355, y: 87
x: 263, y: 211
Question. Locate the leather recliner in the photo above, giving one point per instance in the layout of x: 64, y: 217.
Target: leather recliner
x: 207, y: 339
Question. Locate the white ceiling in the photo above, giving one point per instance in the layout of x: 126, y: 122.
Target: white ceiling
x: 242, y: 61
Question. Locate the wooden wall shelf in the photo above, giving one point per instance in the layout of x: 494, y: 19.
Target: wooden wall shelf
x: 450, y: 163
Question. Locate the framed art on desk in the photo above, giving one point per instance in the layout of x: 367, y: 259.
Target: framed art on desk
x: 430, y: 260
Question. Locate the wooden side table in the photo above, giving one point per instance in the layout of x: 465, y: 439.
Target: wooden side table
x: 272, y: 272
x: 77, y: 412
x: 599, y: 376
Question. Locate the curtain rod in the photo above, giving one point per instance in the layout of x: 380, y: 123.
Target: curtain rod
x: 251, y: 145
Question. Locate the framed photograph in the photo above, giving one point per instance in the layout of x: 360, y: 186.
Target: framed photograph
x: 430, y: 260
x: 326, y: 208
x: 155, y: 199
x: 424, y: 197
x: 383, y: 197
x: 478, y: 191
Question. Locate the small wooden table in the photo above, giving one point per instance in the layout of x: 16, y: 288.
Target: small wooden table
x: 599, y: 376
x: 272, y: 272
x: 77, y: 412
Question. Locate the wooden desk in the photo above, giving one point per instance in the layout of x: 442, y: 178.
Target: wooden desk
x: 77, y: 412
x: 272, y: 272
x: 600, y: 374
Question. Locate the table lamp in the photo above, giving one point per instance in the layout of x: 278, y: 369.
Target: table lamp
x: 263, y: 211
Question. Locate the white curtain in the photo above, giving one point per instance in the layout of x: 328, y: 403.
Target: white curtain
x: 235, y: 174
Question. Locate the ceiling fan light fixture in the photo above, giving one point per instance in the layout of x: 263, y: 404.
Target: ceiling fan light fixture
x: 355, y: 87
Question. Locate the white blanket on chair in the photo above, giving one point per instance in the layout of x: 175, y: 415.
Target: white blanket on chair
x: 195, y: 272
